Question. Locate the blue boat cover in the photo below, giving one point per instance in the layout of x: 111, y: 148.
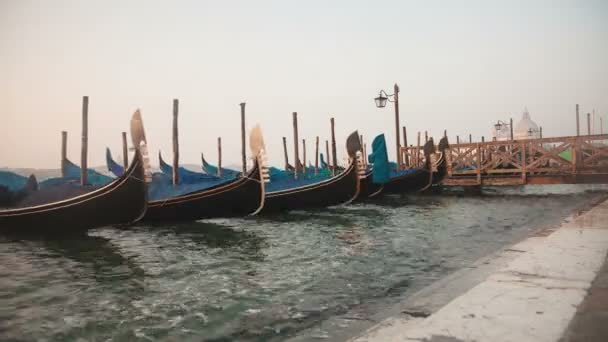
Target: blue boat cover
x: 379, y: 157
x: 72, y: 171
x: 186, y: 176
x: 12, y: 181
x: 162, y: 186
x: 113, y: 166
x: 226, y: 173
x: 282, y: 180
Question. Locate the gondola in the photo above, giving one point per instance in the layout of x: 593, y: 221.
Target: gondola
x: 229, y: 198
x: 421, y: 178
x: 340, y: 189
x: 72, y: 208
x: 186, y: 176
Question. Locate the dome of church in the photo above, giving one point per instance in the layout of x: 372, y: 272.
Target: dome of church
x: 526, y: 128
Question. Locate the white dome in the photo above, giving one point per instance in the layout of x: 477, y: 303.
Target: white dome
x: 523, y: 128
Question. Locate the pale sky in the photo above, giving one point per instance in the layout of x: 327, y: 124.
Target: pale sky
x: 461, y: 65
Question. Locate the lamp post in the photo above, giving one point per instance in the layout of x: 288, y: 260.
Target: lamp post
x: 499, y: 125
x: 381, y: 100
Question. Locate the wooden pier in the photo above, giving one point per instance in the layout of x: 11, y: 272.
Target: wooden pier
x: 559, y: 160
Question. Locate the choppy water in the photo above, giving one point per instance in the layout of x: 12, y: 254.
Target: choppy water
x: 261, y: 279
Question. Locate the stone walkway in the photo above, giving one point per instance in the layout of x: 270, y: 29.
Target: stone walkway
x: 534, y: 298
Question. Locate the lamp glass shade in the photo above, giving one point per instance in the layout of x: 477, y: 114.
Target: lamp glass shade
x: 381, y: 101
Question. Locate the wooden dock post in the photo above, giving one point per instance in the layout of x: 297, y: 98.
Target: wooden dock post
x: 327, y: 160
x: 396, y: 98
x: 243, y: 145
x: 418, y: 152
x: 478, y: 164
x: 445, y: 133
x: 511, y: 126
x: 285, y: 153
x: 483, y: 152
x: 125, y: 151
x: 601, y: 126
x: 588, y: 123
x: 457, y: 140
x: 333, y: 148
x: 470, y: 138
x: 64, y: 152
x: 407, y: 157
x: 175, y: 143
x: 304, y: 156
x: 219, y: 156
x: 578, y: 122
x: 317, y: 155
x: 296, y: 144
x: 85, y: 141
x: 540, y: 132
x: 524, y: 175
x: 426, y: 137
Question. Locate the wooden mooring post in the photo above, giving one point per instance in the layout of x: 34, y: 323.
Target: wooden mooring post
x: 219, y: 156
x: 285, y: 154
x: 296, y: 144
x: 304, y: 156
x: 327, y: 160
x: 243, y: 145
x: 588, y: 123
x: 125, y: 151
x: 85, y: 141
x: 418, y: 151
x: 64, y: 153
x: 317, y: 155
x: 578, y: 122
x: 333, y: 148
x: 470, y: 138
x: 511, y: 127
x: 175, y: 143
x: 407, y: 157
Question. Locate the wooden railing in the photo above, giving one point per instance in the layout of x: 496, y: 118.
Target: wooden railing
x: 572, y: 159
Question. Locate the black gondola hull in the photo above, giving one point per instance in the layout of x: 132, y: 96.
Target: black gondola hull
x: 123, y: 201
x: 240, y: 197
x: 415, y: 181
x: 341, y: 189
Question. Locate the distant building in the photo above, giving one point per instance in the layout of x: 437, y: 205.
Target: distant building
x: 524, y: 129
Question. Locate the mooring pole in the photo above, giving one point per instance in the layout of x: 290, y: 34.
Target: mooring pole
x: 328, y: 161
x: 396, y: 97
x: 175, y: 143
x: 426, y: 137
x: 317, y: 155
x: 125, y: 151
x: 296, y: 144
x: 243, y: 148
x: 511, y: 126
x: 578, y: 129
x: 418, y: 151
x: 445, y: 133
x: 219, y: 156
x: 85, y: 141
x: 64, y: 152
x: 285, y: 153
x: 540, y: 129
x: 304, y: 156
x: 588, y: 123
x: 457, y: 140
x: 333, y: 147
x: 407, y: 157
x: 601, y: 125
x: 470, y: 138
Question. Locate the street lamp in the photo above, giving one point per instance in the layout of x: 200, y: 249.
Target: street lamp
x: 499, y: 125
x: 381, y: 100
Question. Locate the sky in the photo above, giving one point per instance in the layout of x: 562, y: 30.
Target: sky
x: 460, y: 65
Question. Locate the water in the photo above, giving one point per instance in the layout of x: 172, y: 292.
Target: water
x: 259, y: 279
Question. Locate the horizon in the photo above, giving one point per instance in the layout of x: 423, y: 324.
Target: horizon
x: 459, y: 67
